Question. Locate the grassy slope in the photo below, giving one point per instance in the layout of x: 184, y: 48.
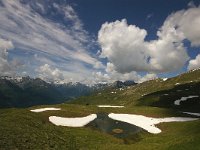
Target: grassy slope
x: 152, y: 90
x: 22, y: 129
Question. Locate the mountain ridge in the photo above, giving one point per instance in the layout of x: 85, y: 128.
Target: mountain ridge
x: 26, y: 91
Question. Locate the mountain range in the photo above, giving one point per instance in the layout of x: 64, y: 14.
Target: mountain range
x: 26, y: 91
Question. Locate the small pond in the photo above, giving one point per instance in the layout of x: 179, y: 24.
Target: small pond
x: 113, y: 127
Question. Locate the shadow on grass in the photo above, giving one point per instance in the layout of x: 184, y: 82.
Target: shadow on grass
x: 166, y: 98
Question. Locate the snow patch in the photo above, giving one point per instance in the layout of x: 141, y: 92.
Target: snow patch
x: 110, y: 106
x: 177, y: 83
x: 113, y: 92
x: 177, y: 102
x: 190, y: 113
x: 19, y: 79
x: 44, y: 109
x: 121, y: 89
x: 72, y: 122
x: 165, y: 79
x: 147, y: 123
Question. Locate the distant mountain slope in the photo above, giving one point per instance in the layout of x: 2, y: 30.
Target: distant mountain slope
x: 25, y: 91
x: 28, y: 92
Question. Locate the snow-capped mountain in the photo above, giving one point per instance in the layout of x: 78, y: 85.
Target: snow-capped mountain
x: 26, y: 91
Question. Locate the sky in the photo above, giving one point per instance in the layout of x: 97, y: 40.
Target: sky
x: 92, y: 41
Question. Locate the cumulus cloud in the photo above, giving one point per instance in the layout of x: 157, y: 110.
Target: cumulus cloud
x: 134, y: 54
x: 124, y: 76
x: 111, y: 75
x: 50, y: 74
x: 126, y: 49
x: 116, y: 76
x: 123, y: 54
x: 149, y: 76
x: 100, y: 77
x: 186, y: 25
x: 194, y: 63
x: 5, y: 66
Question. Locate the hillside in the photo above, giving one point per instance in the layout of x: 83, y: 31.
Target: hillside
x: 158, y: 92
x: 153, y: 98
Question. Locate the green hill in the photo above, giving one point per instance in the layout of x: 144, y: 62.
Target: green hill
x: 150, y: 93
x: 22, y: 129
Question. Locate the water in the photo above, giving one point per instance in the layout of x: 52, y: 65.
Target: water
x: 116, y: 128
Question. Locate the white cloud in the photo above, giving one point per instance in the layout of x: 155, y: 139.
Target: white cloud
x: 100, y: 77
x: 111, y: 75
x: 62, y: 45
x: 5, y: 66
x: 149, y: 76
x: 123, y: 54
x: 185, y: 24
x: 134, y: 54
x: 33, y: 33
x: 194, y: 63
x: 116, y: 76
x: 5, y: 44
x: 76, y: 26
x: 50, y: 74
x: 126, y: 49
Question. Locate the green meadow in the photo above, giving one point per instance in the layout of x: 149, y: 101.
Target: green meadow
x: 22, y: 129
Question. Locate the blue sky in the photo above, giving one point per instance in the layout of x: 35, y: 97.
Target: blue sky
x: 99, y: 41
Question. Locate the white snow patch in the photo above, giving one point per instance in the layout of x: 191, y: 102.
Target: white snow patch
x: 190, y: 113
x: 44, y: 109
x: 72, y: 122
x: 177, y: 102
x: 121, y: 89
x: 19, y: 79
x: 147, y: 123
x: 166, y: 94
x: 113, y: 92
x: 177, y: 83
x: 143, y: 94
x: 165, y: 79
x: 110, y: 106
